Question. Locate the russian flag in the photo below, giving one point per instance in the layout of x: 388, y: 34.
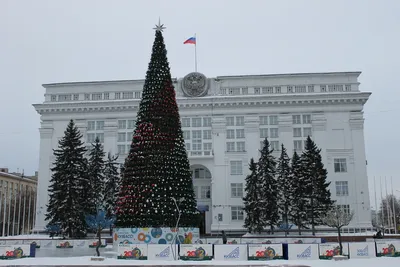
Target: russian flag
x: 191, y: 40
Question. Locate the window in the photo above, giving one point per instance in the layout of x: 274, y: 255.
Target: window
x: 274, y: 133
x: 121, y: 149
x: 311, y: 88
x: 205, y: 192
x: 185, y: 122
x: 240, y: 121
x: 236, y: 190
x: 222, y: 91
x: 345, y: 208
x: 263, y: 120
x: 273, y: 120
x: 76, y: 97
x: 230, y: 146
x: 275, y: 145
x: 207, y: 134
x: 207, y: 122
x: 256, y: 90
x: 241, y: 146
x: 131, y: 124
x: 196, y: 134
x: 342, y: 188
x: 278, y: 89
x: 127, y: 95
x: 307, y: 132
x: 106, y: 96
x: 306, y: 119
x: 230, y: 121
x: 290, y: 89
x: 53, y: 98
x: 296, y: 119
x: 201, y: 173
x: 296, y: 132
x: 237, y: 213
x: 186, y: 135
x: 99, y: 125
x: 100, y: 136
x: 234, y: 91
x: 230, y: 134
x: 323, y: 88
x: 196, y: 122
x: 245, y: 91
x: 90, y: 138
x: 348, y: 87
x: 267, y: 90
x: 91, y: 125
x: 297, y: 145
x: 187, y: 145
x: 122, y: 124
x: 117, y: 95
x: 121, y: 137
x: 236, y: 167
x: 340, y: 165
x: 239, y: 133
x: 196, y: 191
x: 196, y: 142
x: 263, y: 132
x: 97, y: 96
x: 300, y: 89
x: 207, y: 146
x: 64, y: 98
x: 138, y: 95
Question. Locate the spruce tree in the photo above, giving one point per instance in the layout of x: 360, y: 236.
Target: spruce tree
x: 298, y: 211
x: 316, y: 185
x: 253, y: 222
x: 66, y: 206
x: 157, y: 172
x: 283, y: 172
x: 96, y: 177
x: 112, y: 185
x: 269, y: 185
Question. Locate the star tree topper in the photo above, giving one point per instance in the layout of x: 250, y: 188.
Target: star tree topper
x: 160, y: 27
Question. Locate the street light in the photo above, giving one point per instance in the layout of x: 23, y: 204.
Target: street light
x: 177, y: 223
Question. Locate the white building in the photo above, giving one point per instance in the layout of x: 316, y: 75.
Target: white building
x: 224, y: 120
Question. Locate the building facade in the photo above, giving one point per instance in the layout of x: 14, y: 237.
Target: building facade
x: 224, y: 121
x: 17, y: 203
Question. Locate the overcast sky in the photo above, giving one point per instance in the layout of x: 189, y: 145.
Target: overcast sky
x: 74, y: 40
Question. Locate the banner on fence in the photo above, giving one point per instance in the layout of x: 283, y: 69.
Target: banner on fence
x: 93, y: 243
x: 265, y: 251
x: 65, y: 244
x: 328, y: 250
x: 387, y: 248
x: 162, y: 252
x: 230, y: 252
x: 303, y: 251
x: 199, y: 252
x: 184, y: 235
x: 14, y: 252
x: 132, y: 251
x: 362, y: 250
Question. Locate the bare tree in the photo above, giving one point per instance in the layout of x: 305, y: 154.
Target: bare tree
x: 338, y: 217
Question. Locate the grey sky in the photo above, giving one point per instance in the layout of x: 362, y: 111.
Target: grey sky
x: 74, y: 40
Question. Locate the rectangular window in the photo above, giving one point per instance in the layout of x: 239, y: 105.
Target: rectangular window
x: 307, y: 119
x: 207, y: 122
x: 278, y: 89
x: 64, y: 98
x: 230, y: 134
x: 311, y: 88
x: 186, y: 135
x: 267, y: 90
x: 273, y: 120
x: 296, y: 132
x: 236, y: 167
x: 236, y: 190
x: 196, y: 134
x: 222, y: 91
x: 345, y: 208
x: 91, y: 125
x: 138, y: 95
x: 263, y: 120
x: 230, y: 121
x: 274, y: 133
x: 185, y: 122
x: 241, y: 146
x: 117, y: 95
x: 340, y: 165
x: 131, y: 124
x: 100, y: 125
x: 97, y: 96
x: 76, y: 97
x: 196, y: 191
x: 196, y: 145
x: 100, y: 136
x: 342, y: 188
x: 290, y: 89
x: 121, y: 137
x: 207, y: 134
x: 234, y: 91
x: 205, y: 192
x: 207, y: 146
x: 245, y: 91
x: 275, y: 145
x: 263, y: 132
x: 196, y: 122
x: 87, y: 96
x: 106, y: 96
x: 230, y: 146
x: 256, y: 90
x: 323, y: 88
x: 298, y: 145
x: 300, y: 89
x: 90, y: 137
x: 296, y: 119
x: 53, y: 98
x: 127, y: 95
x: 122, y: 124
x: 237, y: 213
x: 348, y: 87
x: 307, y: 132
x: 187, y: 145
x: 239, y: 133
x: 240, y: 121
x: 121, y: 149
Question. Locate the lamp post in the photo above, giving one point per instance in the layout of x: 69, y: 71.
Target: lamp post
x: 177, y: 223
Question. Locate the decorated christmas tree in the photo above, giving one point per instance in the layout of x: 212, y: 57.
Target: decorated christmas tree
x: 156, y: 185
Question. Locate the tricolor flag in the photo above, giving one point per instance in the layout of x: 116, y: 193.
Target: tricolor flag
x: 191, y: 40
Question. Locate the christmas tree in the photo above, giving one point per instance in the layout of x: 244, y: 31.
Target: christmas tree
x: 316, y: 186
x: 112, y: 184
x: 252, y: 206
x: 269, y: 185
x: 284, y: 178
x: 156, y: 185
x: 66, y: 204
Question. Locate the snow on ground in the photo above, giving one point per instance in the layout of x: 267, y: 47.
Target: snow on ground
x: 27, y: 237
x: 85, y: 261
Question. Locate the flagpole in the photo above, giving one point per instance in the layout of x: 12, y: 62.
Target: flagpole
x: 195, y: 53
x: 394, y: 207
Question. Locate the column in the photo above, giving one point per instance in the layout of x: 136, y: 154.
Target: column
x: 286, y: 133
x: 252, y: 134
x: 110, y: 136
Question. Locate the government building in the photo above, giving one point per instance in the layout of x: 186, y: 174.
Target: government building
x: 224, y: 121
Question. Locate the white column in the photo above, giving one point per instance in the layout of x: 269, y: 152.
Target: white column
x: 46, y: 153
x: 285, y: 134
x: 252, y: 134
x: 110, y: 136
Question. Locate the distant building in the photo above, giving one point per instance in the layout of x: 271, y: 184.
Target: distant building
x: 17, y: 203
x: 224, y: 121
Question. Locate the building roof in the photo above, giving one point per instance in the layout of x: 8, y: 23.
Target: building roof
x: 14, y: 176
